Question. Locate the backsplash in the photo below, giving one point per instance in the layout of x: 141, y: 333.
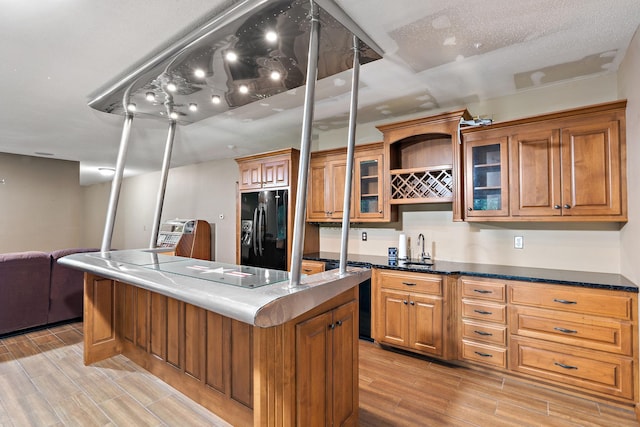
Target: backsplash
x: 583, y: 247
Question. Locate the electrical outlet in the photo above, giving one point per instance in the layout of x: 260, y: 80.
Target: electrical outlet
x: 518, y: 242
x: 364, y: 236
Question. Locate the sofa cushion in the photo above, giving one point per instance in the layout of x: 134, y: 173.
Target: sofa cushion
x: 67, y: 287
x: 24, y: 290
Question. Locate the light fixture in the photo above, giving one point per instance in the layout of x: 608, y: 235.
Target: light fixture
x: 275, y: 75
x: 231, y: 56
x: 193, y: 107
x: 171, y: 87
x: 173, y: 115
x: 131, y: 107
x: 271, y: 36
x: 243, y: 89
x: 150, y: 96
x: 215, y: 99
x: 199, y: 73
x: 107, y: 171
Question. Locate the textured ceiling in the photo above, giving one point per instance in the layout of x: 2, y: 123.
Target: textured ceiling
x: 438, y: 54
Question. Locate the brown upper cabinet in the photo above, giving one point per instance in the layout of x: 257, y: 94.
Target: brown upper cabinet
x: 264, y: 170
x: 423, y: 160
x: 327, y: 174
x: 565, y: 166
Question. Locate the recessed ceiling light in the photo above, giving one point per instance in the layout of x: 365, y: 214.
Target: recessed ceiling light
x: 107, y: 171
x: 199, y: 73
x: 131, y: 107
x: 150, y: 96
x: 171, y: 87
x: 275, y: 75
x: 173, y: 115
x: 243, y: 89
x: 215, y: 99
x: 271, y: 36
x: 231, y: 56
x: 193, y: 107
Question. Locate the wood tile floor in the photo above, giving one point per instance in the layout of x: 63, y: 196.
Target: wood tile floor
x: 43, y: 382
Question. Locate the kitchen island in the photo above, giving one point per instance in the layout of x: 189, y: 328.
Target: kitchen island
x: 239, y: 340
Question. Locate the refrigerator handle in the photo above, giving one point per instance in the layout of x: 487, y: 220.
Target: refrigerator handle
x: 261, y: 228
x: 254, y: 232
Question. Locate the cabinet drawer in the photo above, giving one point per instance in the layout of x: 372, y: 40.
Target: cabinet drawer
x: 485, y: 332
x: 575, y: 329
x: 312, y: 267
x: 412, y: 282
x: 597, y: 371
x: 573, y: 299
x: 483, y: 289
x: 489, y: 355
x: 484, y: 311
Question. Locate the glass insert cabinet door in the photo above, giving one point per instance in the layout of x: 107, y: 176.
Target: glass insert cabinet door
x: 368, y: 173
x: 487, y: 178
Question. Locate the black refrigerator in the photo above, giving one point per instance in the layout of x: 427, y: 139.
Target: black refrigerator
x: 263, y: 219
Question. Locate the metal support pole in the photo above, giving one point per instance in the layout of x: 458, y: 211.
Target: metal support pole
x: 116, y: 183
x: 297, y: 245
x: 351, y: 143
x: 168, y: 148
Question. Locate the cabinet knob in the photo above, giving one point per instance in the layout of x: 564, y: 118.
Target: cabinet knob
x: 556, y: 206
x: 469, y: 209
x: 404, y: 302
x: 567, y: 206
x: 339, y: 323
x: 412, y: 303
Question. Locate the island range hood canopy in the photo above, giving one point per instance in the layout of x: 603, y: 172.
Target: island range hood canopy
x: 248, y: 52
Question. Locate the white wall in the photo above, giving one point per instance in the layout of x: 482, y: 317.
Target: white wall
x: 587, y: 247
x: 630, y: 89
x: 40, y: 204
x: 201, y: 191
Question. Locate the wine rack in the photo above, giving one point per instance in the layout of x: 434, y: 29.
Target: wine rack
x: 420, y: 185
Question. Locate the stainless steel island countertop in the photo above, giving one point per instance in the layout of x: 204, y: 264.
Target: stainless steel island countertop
x: 257, y: 296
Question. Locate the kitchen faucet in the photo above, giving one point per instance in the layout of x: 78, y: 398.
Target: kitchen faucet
x: 423, y: 256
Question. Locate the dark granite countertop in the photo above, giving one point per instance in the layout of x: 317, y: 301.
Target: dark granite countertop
x: 540, y: 275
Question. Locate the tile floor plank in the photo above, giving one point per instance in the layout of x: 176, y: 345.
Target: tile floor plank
x: 43, y: 382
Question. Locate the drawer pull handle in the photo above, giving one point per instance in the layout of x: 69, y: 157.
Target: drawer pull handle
x: 482, y: 291
x: 408, y: 283
x: 566, y: 331
x: 483, y: 312
x: 306, y: 270
x: 564, y: 301
x: 483, y: 333
x: 481, y: 354
x: 562, y: 365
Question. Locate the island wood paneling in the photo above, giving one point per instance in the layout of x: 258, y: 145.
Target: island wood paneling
x: 245, y: 374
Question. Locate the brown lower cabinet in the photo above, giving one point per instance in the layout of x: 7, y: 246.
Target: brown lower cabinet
x: 304, y: 372
x: 579, y: 339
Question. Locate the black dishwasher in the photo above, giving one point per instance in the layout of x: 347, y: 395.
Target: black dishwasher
x: 364, y: 317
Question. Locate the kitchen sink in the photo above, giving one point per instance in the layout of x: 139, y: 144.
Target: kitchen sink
x: 417, y: 264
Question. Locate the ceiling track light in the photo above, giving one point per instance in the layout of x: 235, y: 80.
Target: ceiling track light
x: 171, y: 87
x: 131, y: 107
x: 215, y: 99
x: 150, y: 96
x: 193, y: 107
x: 173, y: 115
x: 199, y: 73
x: 275, y: 75
x: 231, y: 56
x: 243, y: 89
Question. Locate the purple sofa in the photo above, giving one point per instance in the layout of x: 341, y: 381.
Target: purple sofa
x: 35, y: 290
